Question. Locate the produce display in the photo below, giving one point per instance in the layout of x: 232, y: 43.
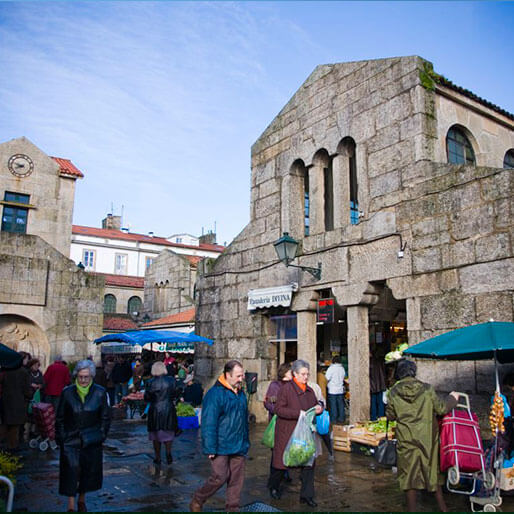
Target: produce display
x: 396, y: 354
x: 380, y: 425
x: 299, y: 452
x: 496, y: 415
x: 185, y: 410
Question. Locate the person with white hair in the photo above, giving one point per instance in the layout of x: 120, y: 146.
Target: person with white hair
x: 82, y: 424
x: 160, y: 393
x: 294, y: 397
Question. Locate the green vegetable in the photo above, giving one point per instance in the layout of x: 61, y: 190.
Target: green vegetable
x: 379, y: 425
x: 185, y: 410
x: 299, y: 453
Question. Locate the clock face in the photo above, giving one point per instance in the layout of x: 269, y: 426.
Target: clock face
x: 20, y: 165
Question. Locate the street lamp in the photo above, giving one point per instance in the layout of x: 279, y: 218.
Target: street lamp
x: 286, y: 248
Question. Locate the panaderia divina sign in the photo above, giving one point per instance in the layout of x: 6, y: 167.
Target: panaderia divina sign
x: 279, y: 296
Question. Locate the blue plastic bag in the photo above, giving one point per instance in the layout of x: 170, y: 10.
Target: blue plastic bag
x: 323, y: 423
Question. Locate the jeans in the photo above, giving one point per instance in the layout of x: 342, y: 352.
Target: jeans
x: 377, y: 406
x: 336, y: 407
x: 120, y: 390
x: 229, y: 469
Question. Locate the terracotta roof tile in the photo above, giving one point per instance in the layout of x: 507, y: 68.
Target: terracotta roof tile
x: 67, y: 167
x: 141, y: 238
x: 180, y: 317
x: 443, y: 81
x: 123, y: 280
x: 119, y: 324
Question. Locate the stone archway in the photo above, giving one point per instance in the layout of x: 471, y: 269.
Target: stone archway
x: 23, y: 335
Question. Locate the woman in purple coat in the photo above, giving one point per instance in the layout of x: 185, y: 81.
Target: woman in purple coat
x: 284, y: 375
x: 294, y: 396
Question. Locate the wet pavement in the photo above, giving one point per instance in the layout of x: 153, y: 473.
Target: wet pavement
x: 133, y: 483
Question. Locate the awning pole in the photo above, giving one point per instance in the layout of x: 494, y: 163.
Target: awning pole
x: 496, y: 372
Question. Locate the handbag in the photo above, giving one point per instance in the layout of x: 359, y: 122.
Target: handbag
x: 268, y: 438
x: 91, y: 437
x: 385, y: 452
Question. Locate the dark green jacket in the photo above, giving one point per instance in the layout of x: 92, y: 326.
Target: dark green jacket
x: 415, y: 405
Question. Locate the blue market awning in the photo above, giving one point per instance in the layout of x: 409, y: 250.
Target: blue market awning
x: 142, y: 337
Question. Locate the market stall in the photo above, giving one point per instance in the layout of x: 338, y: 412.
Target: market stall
x: 491, y: 340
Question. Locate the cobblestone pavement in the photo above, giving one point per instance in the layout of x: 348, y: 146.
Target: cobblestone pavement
x: 133, y: 483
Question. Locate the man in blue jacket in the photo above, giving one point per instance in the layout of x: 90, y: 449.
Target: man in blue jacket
x: 225, y: 437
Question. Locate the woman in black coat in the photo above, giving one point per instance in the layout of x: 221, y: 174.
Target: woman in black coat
x: 161, y: 392
x: 82, y: 424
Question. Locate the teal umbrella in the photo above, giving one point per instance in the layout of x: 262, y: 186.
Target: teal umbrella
x: 491, y: 340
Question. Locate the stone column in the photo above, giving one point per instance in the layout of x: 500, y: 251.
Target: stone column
x: 358, y: 362
x: 306, y: 326
x: 317, y: 199
x: 341, y: 173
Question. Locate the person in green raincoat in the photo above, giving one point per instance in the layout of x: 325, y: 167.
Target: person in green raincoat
x: 414, y: 406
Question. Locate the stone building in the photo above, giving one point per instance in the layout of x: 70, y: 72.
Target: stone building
x: 170, y: 283
x: 400, y: 184
x: 123, y: 258
x: 48, y: 305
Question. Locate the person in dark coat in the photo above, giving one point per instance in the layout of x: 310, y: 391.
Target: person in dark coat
x: 377, y: 383
x: 295, y: 396
x: 37, y: 381
x: 193, y: 391
x: 82, y: 424
x: 161, y: 392
x: 284, y: 375
x: 225, y: 438
x: 121, y: 374
x: 16, y: 393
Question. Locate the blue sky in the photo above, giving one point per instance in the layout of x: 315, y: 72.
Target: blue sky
x: 158, y: 103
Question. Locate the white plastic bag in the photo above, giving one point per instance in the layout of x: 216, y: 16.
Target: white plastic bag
x: 301, y: 447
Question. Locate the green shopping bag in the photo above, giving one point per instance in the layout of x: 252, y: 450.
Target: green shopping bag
x: 35, y: 399
x: 268, y: 439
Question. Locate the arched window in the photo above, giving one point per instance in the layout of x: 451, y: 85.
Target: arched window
x: 458, y: 147
x: 134, y: 305
x: 306, y: 204
x: 109, y: 303
x: 347, y: 149
x: 508, y: 160
x: 328, y: 178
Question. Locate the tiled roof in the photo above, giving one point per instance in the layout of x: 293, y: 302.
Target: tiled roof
x: 68, y: 168
x: 141, y: 238
x: 193, y: 259
x: 443, y: 81
x: 180, y: 317
x: 123, y: 280
x: 116, y: 323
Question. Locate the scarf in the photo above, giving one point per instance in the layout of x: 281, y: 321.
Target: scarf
x: 303, y: 387
x: 82, y: 391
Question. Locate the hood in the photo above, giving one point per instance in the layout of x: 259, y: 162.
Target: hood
x: 409, y: 389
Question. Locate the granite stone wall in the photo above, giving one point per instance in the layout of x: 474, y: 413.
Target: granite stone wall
x: 47, y: 304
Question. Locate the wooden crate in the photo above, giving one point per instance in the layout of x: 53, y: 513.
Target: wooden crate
x: 342, y: 445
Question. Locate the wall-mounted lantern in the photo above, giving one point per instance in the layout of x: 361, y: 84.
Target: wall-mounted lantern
x: 286, y: 248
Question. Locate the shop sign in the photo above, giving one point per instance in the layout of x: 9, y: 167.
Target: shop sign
x: 280, y: 296
x: 326, y: 310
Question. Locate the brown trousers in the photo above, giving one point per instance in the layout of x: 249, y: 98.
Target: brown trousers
x: 229, y: 469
